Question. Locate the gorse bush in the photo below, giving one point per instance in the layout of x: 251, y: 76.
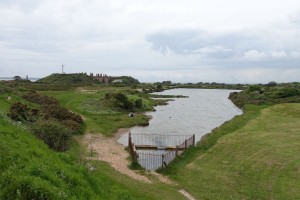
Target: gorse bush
x: 55, y: 135
x: 35, y: 97
x: 51, y: 122
x: 22, y: 113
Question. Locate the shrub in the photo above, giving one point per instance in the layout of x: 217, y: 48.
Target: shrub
x: 21, y: 112
x: 119, y: 100
x: 41, y: 99
x: 253, y: 88
x: 60, y: 113
x: 138, y: 103
x: 272, y: 84
x: 55, y: 135
x: 287, y: 92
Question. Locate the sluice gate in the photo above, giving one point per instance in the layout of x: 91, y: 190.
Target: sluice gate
x: 154, y: 151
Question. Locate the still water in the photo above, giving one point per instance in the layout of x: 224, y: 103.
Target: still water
x: 202, y: 111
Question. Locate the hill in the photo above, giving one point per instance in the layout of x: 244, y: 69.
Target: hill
x: 81, y: 79
x: 67, y: 79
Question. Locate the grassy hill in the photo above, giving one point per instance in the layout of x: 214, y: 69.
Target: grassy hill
x: 78, y: 79
x: 65, y: 79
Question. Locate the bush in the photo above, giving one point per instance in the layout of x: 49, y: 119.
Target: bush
x: 21, y: 112
x: 41, y: 99
x: 120, y: 100
x: 253, y: 88
x: 138, y: 103
x: 287, y: 92
x: 55, y: 135
x: 272, y: 84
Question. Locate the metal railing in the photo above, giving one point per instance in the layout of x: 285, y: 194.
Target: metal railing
x: 167, y: 148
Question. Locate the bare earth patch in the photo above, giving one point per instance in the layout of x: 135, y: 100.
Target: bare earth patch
x: 186, y: 194
x: 109, y: 150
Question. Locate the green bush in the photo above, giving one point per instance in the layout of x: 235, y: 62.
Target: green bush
x: 287, y: 92
x: 120, y: 100
x: 21, y: 112
x: 55, y: 135
x: 35, y: 97
x: 138, y: 103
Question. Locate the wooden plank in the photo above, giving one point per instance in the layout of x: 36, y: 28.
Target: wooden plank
x: 151, y: 147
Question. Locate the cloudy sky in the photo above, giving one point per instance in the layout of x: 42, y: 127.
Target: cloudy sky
x: 232, y: 41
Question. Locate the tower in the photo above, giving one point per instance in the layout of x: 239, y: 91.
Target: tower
x: 62, y: 69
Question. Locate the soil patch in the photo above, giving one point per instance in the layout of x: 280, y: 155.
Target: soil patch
x: 109, y: 150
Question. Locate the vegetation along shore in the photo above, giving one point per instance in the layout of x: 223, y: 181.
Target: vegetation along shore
x: 58, y: 141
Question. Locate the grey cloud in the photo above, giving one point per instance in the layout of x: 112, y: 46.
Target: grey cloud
x: 178, y: 41
x: 236, y: 46
x: 219, y: 46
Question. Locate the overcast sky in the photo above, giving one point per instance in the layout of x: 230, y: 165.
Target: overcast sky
x: 232, y: 41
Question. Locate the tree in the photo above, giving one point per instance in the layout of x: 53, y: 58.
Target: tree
x: 17, y: 78
x: 272, y: 84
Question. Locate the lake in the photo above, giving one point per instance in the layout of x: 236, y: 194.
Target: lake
x: 202, y: 111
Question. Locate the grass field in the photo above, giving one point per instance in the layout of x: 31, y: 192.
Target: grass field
x: 259, y: 160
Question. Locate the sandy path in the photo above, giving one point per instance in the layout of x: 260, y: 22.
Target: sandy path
x: 109, y: 150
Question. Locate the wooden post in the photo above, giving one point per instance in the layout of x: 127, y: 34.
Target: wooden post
x: 176, y: 150
x: 185, y: 144
x: 129, y: 139
x: 162, y: 161
x: 194, y: 140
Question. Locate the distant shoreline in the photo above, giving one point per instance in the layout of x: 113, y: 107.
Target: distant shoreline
x: 11, y: 78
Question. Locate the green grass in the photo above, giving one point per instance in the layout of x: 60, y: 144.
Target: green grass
x: 256, y: 158
x: 99, y: 117
x: 28, y: 169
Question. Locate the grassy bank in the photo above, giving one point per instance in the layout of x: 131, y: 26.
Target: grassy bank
x: 257, y: 157
x: 31, y: 170
x: 98, y: 113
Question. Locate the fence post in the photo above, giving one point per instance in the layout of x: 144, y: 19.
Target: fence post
x: 194, y: 140
x: 176, y: 150
x: 162, y: 160
x: 129, y: 139
x: 185, y: 144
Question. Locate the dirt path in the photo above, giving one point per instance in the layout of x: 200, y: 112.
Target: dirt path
x: 109, y: 150
x: 186, y: 194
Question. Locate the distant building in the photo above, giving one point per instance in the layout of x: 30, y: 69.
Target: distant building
x: 102, y: 78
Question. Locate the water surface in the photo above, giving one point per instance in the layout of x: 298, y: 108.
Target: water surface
x: 204, y: 110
